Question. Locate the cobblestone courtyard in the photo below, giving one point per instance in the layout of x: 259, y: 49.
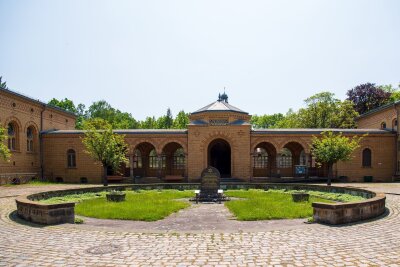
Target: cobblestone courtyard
x: 374, y: 243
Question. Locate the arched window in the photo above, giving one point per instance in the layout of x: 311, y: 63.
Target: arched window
x: 383, y: 125
x: 29, y: 139
x: 366, y: 157
x: 285, y: 159
x: 260, y: 158
x: 137, y: 159
x: 178, y: 162
x: 71, y: 158
x: 394, y: 124
x: 12, y: 136
x: 153, y: 159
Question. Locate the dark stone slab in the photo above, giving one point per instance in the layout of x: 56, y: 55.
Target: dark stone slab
x: 210, y: 181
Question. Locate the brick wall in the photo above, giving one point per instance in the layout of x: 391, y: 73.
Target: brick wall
x: 24, y: 113
x: 57, y: 145
x: 374, y: 120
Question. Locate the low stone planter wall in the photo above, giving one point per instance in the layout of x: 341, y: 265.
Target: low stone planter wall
x: 337, y: 213
x: 29, y: 209
x: 45, y: 213
x: 341, y: 213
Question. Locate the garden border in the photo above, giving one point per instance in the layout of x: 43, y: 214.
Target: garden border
x: 330, y: 213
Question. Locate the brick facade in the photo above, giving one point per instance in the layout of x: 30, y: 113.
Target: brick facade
x: 159, y: 153
x: 375, y: 120
x: 25, y: 113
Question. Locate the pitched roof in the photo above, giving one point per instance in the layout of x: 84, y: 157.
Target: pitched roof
x: 127, y: 131
x: 218, y: 106
x: 366, y: 114
x: 320, y: 130
x: 14, y: 93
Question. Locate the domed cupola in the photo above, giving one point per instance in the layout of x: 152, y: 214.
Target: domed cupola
x: 219, y: 112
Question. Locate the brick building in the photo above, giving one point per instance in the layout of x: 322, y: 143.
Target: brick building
x: 44, y: 142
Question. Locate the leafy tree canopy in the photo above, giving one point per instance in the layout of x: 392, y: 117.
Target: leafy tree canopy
x: 69, y: 105
x: 181, y: 121
x: 266, y: 121
x: 394, y: 92
x: 117, y: 119
x: 103, y: 145
x: 322, y: 110
x: 367, y: 97
x: 330, y: 148
x: 4, y: 151
x: 3, y: 84
x: 65, y: 104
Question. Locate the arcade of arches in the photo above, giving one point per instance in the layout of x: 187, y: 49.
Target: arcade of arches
x: 218, y: 135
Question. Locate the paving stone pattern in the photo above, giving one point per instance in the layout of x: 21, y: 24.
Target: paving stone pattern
x: 374, y: 243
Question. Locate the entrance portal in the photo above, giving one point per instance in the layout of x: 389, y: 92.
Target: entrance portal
x: 219, y: 156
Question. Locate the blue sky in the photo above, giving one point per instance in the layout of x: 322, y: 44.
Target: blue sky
x: 146, y: 56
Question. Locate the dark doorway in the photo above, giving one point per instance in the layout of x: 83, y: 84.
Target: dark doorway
x: 219, y: 156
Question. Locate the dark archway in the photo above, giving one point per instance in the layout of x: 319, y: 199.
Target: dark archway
x: 146, y: 162
x: 174, y: 159
x: 219, y: 156
x: 264, y: 160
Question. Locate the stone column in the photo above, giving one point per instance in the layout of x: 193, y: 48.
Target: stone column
x: 131, y: 166
x: 308, y: 163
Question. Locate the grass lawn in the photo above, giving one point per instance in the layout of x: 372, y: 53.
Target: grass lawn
x: 267, y: 205
x: 73, y: 198
x: 149, y: 205
x: 153, y: 205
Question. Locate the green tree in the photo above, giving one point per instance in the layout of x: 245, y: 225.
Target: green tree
x: 291, y: 120
x: 323, y: 110
x: 266, y: 121
x: 394, y: 92
x: 103, y: 145
x: 344, y: 115
x: 181, y: 121
x: 148, y: 123
x: 65, y: 104
x: 82, y: 116
x: 166, y: 121
x: 330, y: 148
x: 4, y: 151
x: 69, y: 105
x: 117, y: 119
x: 320, y: 109
x: 3, y: 84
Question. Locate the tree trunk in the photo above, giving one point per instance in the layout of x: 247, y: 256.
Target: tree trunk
x: 330, y: 172
x: 105, y: 181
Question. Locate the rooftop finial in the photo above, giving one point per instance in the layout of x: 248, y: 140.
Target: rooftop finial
x: 223, y: 97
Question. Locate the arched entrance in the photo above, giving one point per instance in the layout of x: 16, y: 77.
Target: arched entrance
x: 219, y: 156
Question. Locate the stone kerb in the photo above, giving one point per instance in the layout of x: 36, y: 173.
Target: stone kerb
x: 341, y: 213
x: 373, y: 206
